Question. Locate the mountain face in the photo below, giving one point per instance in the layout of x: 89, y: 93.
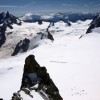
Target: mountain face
x: 9, y: 19
x: 6, y: 20
x: 15, y: 39
x: 2, y: 34
x: 94, y: 24
x: 16, y: 35
x: 22, y: 46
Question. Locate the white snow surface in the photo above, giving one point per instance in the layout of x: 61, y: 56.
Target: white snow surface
x: 73, y: 63
x: 13, y: 36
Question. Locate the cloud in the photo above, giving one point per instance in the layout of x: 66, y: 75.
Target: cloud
x: 68, y: 5
x: 63, y: 4
x: 27, y: 5
x: 46, y: 17
x: 94, y: 2
x: 86, y: 5
x: 13, y: 6
x: 92, y: 5
x: 8, y: 6
x: 97, y: 5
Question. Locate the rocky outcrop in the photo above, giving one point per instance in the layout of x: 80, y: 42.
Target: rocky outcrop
x: 2, y: 34
x: 6, y: 20
x: 22, y: 46
x: 49, y: 36
x: 9, y: 19
x: 95, y: 23
x: 66, y: 21
x: 40, y: 22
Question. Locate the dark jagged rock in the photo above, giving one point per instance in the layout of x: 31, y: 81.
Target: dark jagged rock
x: 22, y: 46
x: 42, y: 35
x: 9, y: 19
x: 40, y: 22
x: 50, y: 36
x: 95, y: 23
x: 2, y: 15
x: 2, y: 34
x: 69, y: 24
x: 2, y: 39
x: 6, y: 20
x: 66, y: 21
x: 47, y: 35
x: 47, y: 85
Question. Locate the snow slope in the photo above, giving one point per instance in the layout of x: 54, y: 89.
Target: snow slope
x: 72, y: 63
x: 26, y: 30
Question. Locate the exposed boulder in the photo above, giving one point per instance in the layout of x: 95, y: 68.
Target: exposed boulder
x: 22, y: 46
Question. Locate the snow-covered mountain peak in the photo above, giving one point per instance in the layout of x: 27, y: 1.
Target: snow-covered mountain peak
x: 9, y: 19
x: 94, y: 24
x: 6, y: 21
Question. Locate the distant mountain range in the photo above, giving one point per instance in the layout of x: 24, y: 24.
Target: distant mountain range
x: 58, y: 17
